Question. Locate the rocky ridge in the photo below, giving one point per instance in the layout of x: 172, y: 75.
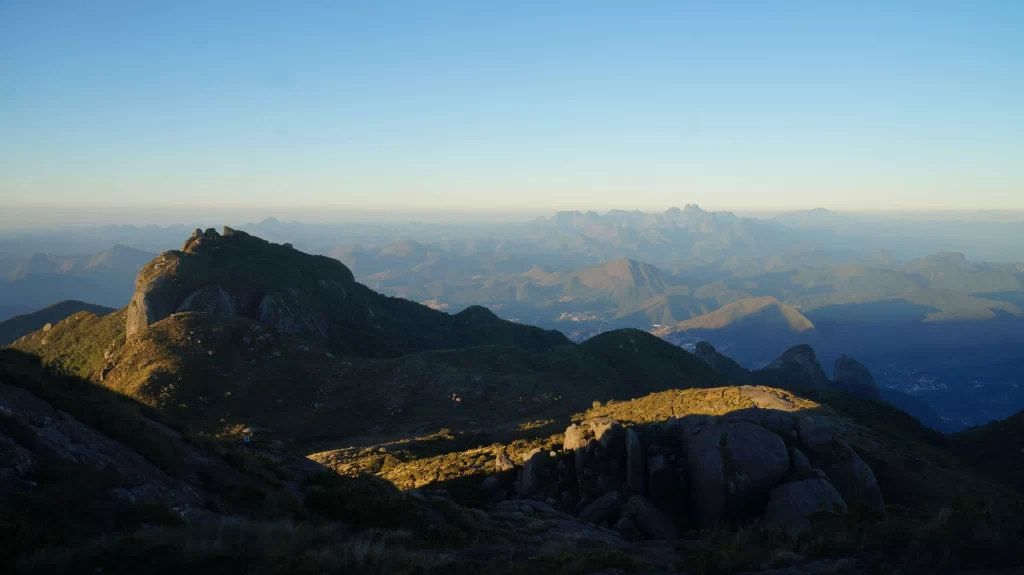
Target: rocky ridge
x: 653, y: 480
x: 235, y: 274
x: 798, y: 369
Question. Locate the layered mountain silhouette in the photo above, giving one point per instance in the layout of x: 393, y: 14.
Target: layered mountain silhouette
x: 797, y: 369
x: 103, y: 278
x: 494, y: 438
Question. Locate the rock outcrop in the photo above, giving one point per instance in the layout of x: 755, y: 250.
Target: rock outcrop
x: 729, y: 464
x: 654, y: 480
x: 290, y: 292
x: 791, y: 504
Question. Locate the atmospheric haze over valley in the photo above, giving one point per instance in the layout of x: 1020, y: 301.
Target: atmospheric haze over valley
x: 449, y: 288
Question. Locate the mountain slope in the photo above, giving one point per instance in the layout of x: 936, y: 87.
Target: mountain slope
x: 305, y: 363
x: 79, y: 461
x: 748, y: 314
x: 17, y: 326
x: 997, y: 447
x: 254, y: 342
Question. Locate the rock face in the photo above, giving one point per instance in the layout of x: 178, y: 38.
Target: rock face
x: 530, y: 481
x: 790, y: 505
x: 852, y: 377
x: 700, y: 471
x: 236, y: 274
x: 853, y: 478
x: 728, y: 465
x: 602, y: 508
x: 651, y: 520
x: 798, y: 461
x: 634, y: 463
x: 211, y: 299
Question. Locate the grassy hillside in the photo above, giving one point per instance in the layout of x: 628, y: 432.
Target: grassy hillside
x: 15, y: 327
x: 78, y: 344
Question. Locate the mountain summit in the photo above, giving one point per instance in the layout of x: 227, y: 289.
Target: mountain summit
x: 239, y: 275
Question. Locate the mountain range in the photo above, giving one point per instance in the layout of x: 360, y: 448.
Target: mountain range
x: 385, y: 436
x: 583, y: 273
x: 104, y: 278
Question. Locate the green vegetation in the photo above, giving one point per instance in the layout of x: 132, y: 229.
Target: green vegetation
x: 77, y: 344
x: 17, y: 326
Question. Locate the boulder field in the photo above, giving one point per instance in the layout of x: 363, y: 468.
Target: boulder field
x: 655, y: 480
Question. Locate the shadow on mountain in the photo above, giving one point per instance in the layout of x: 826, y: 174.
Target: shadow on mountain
x: 879, y: 312
x: 928, y: 523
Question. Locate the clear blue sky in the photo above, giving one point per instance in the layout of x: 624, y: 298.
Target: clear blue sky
x: 525, y: 105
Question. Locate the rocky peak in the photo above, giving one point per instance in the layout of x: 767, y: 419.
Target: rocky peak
x: 801, y: 363
x: 706, y: 352
x: 236, y: 274
x: 720, y: 363
x: 852, y: 377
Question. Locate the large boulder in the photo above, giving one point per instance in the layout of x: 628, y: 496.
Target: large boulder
x: 798, y: 461
x: 730, y: 466
x: 604, y: 507
x: 609, y: 434
x: 778, y: 421
x: 531, y: 483
x: 575, y: 438
x: 816, y: 432
x: 853, y: 478
x: 502, y: 462
x: 790, y: 505
x: 576, y: 442
x: 634, y: 463
x: 599, y: 463
x: 650, y: 519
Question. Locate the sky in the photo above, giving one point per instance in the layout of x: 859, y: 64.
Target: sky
x: 515, y: 106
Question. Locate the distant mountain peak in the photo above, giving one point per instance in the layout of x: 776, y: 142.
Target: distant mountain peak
x: 765, y: 312
x: 801, y: 359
